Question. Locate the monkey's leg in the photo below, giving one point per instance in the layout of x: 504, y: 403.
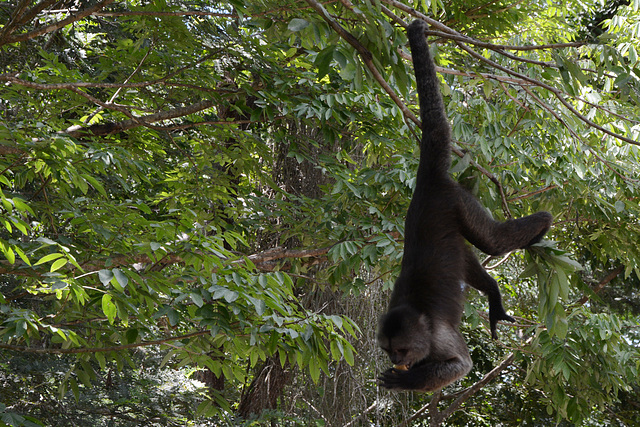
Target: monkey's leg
x: 448, y: 362
x: 497, y: 238
x: 475, y: 275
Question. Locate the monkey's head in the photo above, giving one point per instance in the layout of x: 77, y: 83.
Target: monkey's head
x: 404, y: 334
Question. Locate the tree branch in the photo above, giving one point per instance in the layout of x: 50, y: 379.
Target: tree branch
x: 150, y: 13
x: 558, y: 94
x: 533, y: 193
x: 111, y: 128
x: 575, y: 134
x: 462, y: 40
x: 602, y: 283
x: 366, y: 57
x: 56, y: 25
x: 31, y: 14
x: 260, y: 259
x: 14, y: 20
x: 437, y: 417
x: 100, y: 349
x: 73, y: 87
x: 477, y: 386
x: 451, y: 33
x: 502, y: 47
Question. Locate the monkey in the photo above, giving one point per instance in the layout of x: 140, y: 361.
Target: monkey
x: 420, y: 331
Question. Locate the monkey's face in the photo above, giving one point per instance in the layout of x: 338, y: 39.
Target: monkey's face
x: 405, y: 336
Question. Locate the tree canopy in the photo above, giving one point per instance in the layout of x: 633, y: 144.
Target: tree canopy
x: 202, y: 208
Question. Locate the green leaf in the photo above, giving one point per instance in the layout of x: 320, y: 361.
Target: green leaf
x: 197, y: 299
x: 230, y: 296
x: 109, y: 308
x: 74, y: 388
x: 59, y: 285
x: 46, y: 241
x: 95, y: 184
x: 173, y: 316
x: 49, y: 257
x: 122, y: 279
x: 348, y: 354
x: 8, y: 253
x: 22, y: 206
x: 297, y: 24
x: 259, y: 305
x: 323, y: 61
x: 21, y: 328
x: 131, y: 335
x: 58, y: 264
x: 337, y: 320
x: 101, y: 360
x: 314, y: 370
x: 22, y: 255
x: 561, y: 325
x: 105, y: 276
x: 487, y: 88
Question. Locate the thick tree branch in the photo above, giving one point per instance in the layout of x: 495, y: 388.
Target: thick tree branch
x: 100, y: 349
x: 111, y: 128
x: 34, y: 11
x: 56, y: 25
x: 151, y: 13
x: 259, y: 260
x: 15, y: 20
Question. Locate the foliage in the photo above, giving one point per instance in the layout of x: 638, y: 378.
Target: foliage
x: 188, y: 187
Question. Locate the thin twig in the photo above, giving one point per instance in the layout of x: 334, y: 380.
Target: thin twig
x: 602, y: 283
x: 117, y: 92
x: 492, y: 267
x: 533, y: 193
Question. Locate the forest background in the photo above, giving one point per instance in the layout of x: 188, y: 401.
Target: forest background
x: 202, y: 208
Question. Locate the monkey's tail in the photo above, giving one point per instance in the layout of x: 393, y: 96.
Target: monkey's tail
x: 436, y: 133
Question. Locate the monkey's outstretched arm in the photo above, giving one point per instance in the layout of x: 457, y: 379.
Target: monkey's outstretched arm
x: 497, y: 238
x: 476, y: 276
x: 435, y: 156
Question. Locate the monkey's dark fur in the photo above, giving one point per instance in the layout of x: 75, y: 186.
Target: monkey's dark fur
x: 420, y: 330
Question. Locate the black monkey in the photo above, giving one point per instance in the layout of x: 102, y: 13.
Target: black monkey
x: 420, y: 330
